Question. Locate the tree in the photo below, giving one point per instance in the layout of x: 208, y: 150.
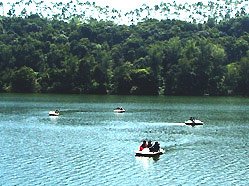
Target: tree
x: 232, y: 77
x: 122, y: 80
x: 73, y: 52
x: 170, y: 58
x: 24, y: 80
x: 83, y: 81
x: 99, y: 81
x: 143, y: 82
x: 243, y: 82
x: 6, y: 58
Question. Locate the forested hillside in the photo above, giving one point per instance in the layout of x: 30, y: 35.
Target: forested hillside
x: 152, y: 57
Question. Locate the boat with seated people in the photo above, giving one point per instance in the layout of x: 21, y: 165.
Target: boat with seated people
x: 192, y: 121
x: 54, y: 113
x: 149, y: 149
x: 119, y: 110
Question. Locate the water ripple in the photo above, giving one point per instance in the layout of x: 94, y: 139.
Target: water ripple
x: 89, y: 147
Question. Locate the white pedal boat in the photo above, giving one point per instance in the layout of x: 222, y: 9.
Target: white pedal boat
x: 192, y: 121
x: 54, y: 113
x: 146, y: 152
x: 119, y: 110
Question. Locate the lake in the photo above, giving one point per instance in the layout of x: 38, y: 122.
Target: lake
x: 88, y: 144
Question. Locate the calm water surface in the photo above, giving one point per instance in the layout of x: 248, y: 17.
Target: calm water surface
x: 90, y: 145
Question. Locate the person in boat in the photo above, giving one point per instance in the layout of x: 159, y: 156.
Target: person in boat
x: 149, y: 145
x: 155, y: 147
x: 192, y: 119
x: 119, y: 108
x: 143, y: 145
x: 56, y: 111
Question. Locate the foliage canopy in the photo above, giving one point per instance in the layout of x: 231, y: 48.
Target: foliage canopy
x: 68, y: 53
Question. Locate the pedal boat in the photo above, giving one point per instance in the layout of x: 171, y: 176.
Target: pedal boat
x: 146, y: 153
x: 192, y: 121
x: 54, y: 113
x: 119, y: 110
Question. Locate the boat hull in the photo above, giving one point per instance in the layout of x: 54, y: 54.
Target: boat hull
x: 53, y: 113
x: 147, y: 153
x: 119, y: 111
x: 194, y: 122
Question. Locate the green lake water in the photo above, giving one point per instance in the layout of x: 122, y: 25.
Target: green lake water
x: 88, y: 144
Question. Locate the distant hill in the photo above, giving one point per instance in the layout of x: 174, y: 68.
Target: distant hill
x: 169, y: 56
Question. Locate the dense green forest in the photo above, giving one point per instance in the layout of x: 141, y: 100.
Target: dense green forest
x: 69, y: 54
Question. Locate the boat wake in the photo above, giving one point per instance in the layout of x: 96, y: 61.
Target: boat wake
x: 177, y: 124
x: 164, y: 124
